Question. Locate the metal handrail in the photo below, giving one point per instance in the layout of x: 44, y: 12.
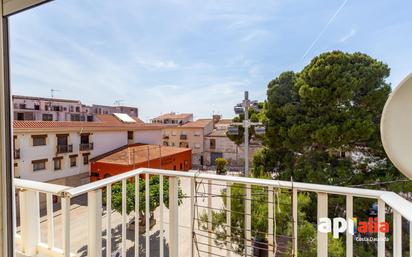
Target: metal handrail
x: 398, y: 203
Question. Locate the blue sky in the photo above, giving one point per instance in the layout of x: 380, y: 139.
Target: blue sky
x: 193, y: 56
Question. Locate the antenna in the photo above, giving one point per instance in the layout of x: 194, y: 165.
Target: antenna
x: 118, y: 102
x: 52, y: 91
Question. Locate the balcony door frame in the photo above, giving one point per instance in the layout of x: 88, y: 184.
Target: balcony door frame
x: 8, y: 8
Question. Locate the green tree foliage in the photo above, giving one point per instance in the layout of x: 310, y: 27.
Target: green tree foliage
x: 221, y: 165
x: 282, y: 227
x: 154, y: 192
x: 323, y: 124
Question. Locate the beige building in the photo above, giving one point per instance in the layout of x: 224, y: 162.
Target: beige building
x: 218, y: 145
x: 190, y: 135
x: 174, y: 118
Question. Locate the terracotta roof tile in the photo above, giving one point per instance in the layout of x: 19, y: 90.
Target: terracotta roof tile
x: 107, y: 122
x: 174, y: 116
x: 124, y: 155
x: 201, y: 123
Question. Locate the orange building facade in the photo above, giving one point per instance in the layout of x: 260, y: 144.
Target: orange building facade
x: 140, y: 156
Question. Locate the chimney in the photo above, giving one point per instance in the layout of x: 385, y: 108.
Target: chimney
x: 216, y: 118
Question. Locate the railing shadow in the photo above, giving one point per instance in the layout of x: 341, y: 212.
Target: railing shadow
x: 117, y: 241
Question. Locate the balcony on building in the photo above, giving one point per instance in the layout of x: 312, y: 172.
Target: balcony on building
x: 85, y: 144
x: 64, y: 149
x: 63, y: 145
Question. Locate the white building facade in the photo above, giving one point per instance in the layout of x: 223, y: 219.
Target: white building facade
x: 53, y: 109
x: 59, y: 152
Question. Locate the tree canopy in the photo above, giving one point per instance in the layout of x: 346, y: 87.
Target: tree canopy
x: 323, y: 123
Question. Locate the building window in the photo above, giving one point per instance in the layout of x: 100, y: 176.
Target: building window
x: 75, y: 117
x: 130, y: 135
x: 39, y: 164
x: 20, y: 116
x: 212, y: 143
x: 77, y: 109
x: 181, y: 166
x: 173, y: 133
x: 47, y: 117
x: 86, y: 159
x: 197, y: 145
x: 39, y: 140
x: 197, y: 133
x: 37, y: 107
x: 57, y: 163
x: 73, y: 160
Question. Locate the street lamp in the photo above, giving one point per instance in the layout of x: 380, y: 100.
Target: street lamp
x: 233, y: 129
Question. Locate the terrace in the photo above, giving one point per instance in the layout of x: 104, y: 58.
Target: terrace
x: 79, y: 229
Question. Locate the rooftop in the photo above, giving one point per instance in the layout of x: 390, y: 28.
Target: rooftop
x: 141, y: 152
x: 105, y: 122
x: 200, y: 123
x: 173, y: 115
x: 45, y: 99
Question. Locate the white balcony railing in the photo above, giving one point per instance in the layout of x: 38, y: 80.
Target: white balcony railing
x: 65, y: 232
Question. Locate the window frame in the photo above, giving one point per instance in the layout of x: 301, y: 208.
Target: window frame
x: 40, y: 161
x: 37, y: 137
x: 71, y: 158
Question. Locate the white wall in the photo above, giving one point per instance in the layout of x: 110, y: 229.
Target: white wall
x: 148, y: 137
x: 103, y: 141
x: 106, y: 141
x: 28, y: 153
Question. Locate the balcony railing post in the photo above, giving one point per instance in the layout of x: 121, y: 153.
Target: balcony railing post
x: 173, y: 217
x: 381, y: 235
x: 295, y: 221
x: 94, y: 199
x: 30, y: 221
x: 349, y: 216
x: 66, y: 226
x: 229, y: 219
x: 248, y: 221
x: 397, y: 234
x: 322, y: 238
x: 270, y: 222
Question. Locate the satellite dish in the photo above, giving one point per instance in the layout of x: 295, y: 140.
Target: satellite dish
x: 396, y: 127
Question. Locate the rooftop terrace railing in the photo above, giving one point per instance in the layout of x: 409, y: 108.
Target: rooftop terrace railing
x: 54, y: 235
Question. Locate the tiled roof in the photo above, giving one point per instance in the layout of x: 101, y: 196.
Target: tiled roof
x: 141, y: 152
x: 201, y: 123
x: 217, y: 133
x: 45, y: 99
x: 225, y: 121
x: 174, y: 116
x: 105, y: 122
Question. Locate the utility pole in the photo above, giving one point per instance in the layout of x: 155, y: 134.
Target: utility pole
x: 246, y: 124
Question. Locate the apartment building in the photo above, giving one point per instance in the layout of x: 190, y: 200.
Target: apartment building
x: 174, y: 118
x: 190, y: 135
x: 218, y: 145
x: 49, y: 109
x: 53, y: 109
x: 106, y: 109
x: 59, y: 151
